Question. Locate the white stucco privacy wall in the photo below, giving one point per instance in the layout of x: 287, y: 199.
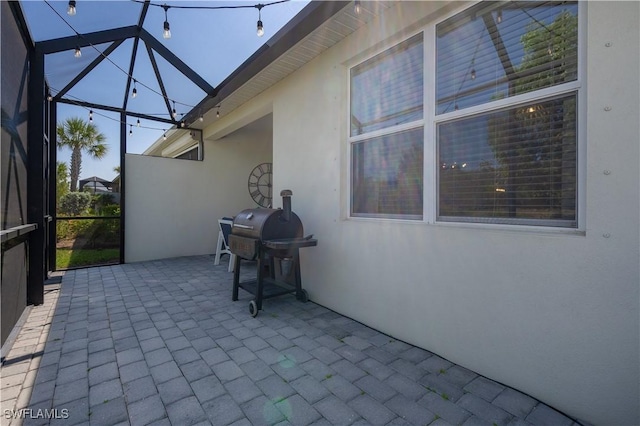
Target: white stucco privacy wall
x: 554, y: 314
x: 172, y: 206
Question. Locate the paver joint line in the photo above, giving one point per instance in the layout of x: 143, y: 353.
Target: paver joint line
x: 161, y: 342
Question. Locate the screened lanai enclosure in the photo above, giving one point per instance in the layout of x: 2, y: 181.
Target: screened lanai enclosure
x: 83, y: 85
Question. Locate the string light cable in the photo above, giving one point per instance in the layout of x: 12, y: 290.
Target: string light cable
x: 78, y: 102
x: 166, y: 7
x: 166, y: 27
x: 136, y: 81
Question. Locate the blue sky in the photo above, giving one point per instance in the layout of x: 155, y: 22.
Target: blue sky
x: 211, y: 42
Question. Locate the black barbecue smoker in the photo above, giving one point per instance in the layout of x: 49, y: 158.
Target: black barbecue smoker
x: 273, y: 238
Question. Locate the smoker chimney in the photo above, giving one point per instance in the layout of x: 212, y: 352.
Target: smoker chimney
x: 286, y: 204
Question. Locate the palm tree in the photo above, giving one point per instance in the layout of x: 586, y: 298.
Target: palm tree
x: 78, y: 135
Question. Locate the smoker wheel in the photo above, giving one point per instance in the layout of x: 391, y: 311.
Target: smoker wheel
x: 253, y: 308
x: 304, y: 297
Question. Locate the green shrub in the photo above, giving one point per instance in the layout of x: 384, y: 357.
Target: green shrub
x: 70, y: 229
x: 96, y: 232
x: 74, y: 203
x: 111, y: 210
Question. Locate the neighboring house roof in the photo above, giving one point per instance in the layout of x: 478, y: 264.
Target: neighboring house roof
x: 96, y: 182
x: 319, y: 26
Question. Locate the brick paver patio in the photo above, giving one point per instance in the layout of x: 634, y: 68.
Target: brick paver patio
x: 162, y: 343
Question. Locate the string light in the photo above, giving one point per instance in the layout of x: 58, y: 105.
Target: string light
x: 71, y: 10
x: 499, y: 17
x: 218, y: 112
x: 138, y: 123
x: 164, y: 136
x: 357, y: 7
x: 118, y: 66
x: 134, y: 92
x: 260, y: 27
x: 260, y: 30
x: 130, y: 130
x: 71, y: 98
x: 90, y: 115
x: 201, y: 118
x: 166, y: 33
x: 473, y: 74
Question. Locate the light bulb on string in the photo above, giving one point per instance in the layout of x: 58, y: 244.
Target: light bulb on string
x: 164, y: 136
x: 174, y: 114
x: 49, y: 97
x: 71, y: 9
x: 357, y: 7
x: 166, y: 31
x: 134, y: 92
x: 78, y: 52
x: 201, y: 118
x: 138, y: 123
x: 260, y: 27
x: 499, y: 17
x: 218, y: 112
x: 91, y: 115
x: 473, y: 74
x: 130, y: 130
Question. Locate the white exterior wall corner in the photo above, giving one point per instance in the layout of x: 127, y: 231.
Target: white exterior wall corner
x: 173, y: 205
x: 553, y: 314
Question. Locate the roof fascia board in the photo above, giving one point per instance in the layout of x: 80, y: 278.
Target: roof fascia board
x: 84, y: 40
x: 304, y: 23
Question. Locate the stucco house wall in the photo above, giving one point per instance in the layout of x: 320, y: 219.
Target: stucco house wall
x: 553, y: 313
x: 173, y: 205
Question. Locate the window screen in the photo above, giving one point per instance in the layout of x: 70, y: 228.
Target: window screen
x: 387, y: 90
x: 498, y: 50
x: 517, y: 164
x: 387, y: 175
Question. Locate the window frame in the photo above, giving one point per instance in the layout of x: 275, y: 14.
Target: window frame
x: 391, y: 130
x: 431, y: 120
x: 572, y: 87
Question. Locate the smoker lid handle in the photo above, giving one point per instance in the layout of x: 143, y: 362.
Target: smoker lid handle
x: 238, y: 225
